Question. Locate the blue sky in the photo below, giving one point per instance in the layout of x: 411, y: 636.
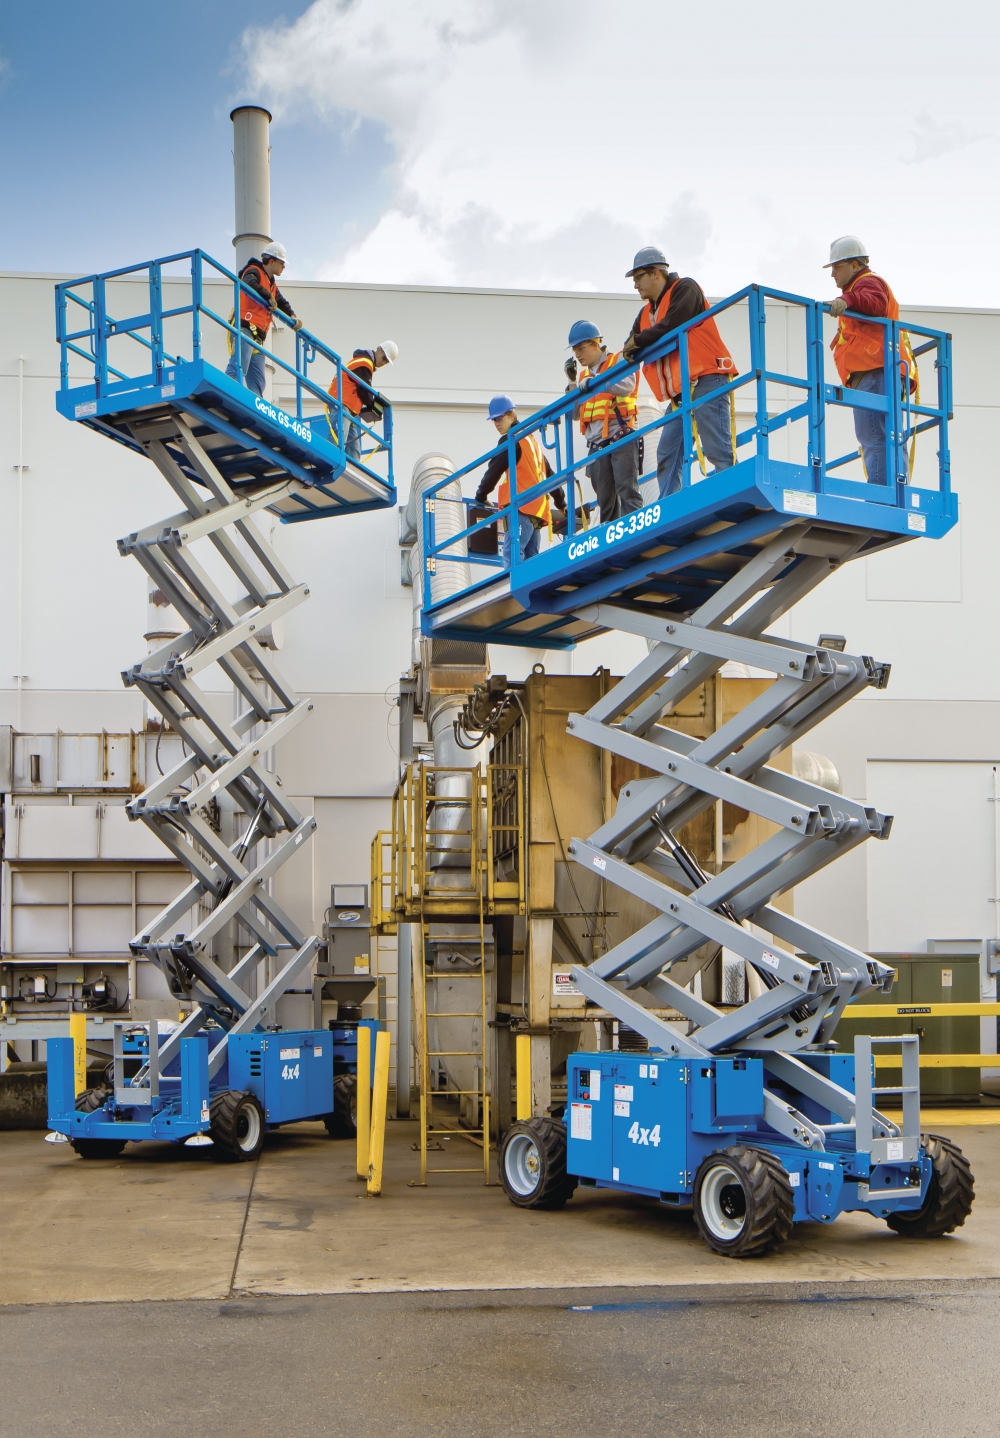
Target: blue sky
x: 118, y: 144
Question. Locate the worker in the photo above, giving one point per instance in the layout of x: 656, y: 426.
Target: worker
x: 357, y: 391
x: 257, y: 304
x: 608, y: 413
x: 672, y: 301
x: 859, y: 348
x: 531, y: 467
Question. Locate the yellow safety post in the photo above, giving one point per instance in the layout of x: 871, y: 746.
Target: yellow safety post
x: 380, y: 1097
x: 78, y: 1033
x: 364, y: 1097
x: 523, y: 1057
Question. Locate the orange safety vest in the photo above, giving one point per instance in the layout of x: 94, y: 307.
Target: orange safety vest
x: 353, y: 400
x: 530, y: 471
x: 603, y: 406
x: 706, y: 352
x: 859, y: 345
x: 252, y: 311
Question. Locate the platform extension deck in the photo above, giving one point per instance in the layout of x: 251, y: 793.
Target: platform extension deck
x: 131, y: 377
x: 671, y: 556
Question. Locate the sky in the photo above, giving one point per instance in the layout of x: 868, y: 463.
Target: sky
x: 512, y: 142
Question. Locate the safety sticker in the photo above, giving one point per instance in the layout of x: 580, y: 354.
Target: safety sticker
x: 830, y: 1166
x: 797, y: 501
x: 317, y: 1053
x: 614, y: 1175
x: 644, y: 1070
x: 600, y: 863
x: 579, y: 1120
x: 167, y: 390
x: 768, y: 958
x: 624, y: 1090
x: 654, y: 1070
x: 288, y: 1054
x: 894, y: 1150
x: 595, y: 1085
x: 917, y: 522
x: 793, y: 1179
x: 621, y: 1109
x: 563, y: 984
x: 82, y: 410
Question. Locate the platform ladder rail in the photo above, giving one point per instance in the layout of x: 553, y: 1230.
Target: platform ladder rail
x: 806, y: 984
x: 220, y: 756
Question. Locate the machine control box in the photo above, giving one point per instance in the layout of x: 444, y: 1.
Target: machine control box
x: 291, y: 1073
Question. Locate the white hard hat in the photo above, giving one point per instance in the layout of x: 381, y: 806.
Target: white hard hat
x: 274, y: 251
x: 848, y: 247
x: 390, y: 349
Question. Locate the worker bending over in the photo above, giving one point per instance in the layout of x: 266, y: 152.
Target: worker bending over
x: 256, y: 309
x: 672, y: 301
x: 531, y: 467
x: 859, y: 348
x: 608, y: 413
x: 358, y: 393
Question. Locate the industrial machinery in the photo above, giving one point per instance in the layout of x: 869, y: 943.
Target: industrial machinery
x: 250, y: 1052
x: 742, y: 1108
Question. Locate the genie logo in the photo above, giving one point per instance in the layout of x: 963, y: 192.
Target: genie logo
x: 264, y: 408
x: 584, y: 546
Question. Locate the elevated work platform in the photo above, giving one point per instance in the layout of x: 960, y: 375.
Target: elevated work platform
x: 673, y: 555
x: 136, y: 376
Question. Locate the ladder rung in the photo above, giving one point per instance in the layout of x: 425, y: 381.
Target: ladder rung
x: 472, y: 1054
x: 473, y: 1014
x: 477, y: 1169
x: 912, y: 1089
x: 454, y: 1092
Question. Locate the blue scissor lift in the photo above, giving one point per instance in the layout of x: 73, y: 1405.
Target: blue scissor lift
x: 750, y: 1114
x: 155, y: 381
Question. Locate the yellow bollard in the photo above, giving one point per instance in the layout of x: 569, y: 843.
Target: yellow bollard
x: 379, y: 1100
x: 364, y: 1098
x: 523, y: 1055
x: 78, y: 1033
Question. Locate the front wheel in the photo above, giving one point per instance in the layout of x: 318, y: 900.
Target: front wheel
x: 949, y: 1197
x: 236, y: 1125
x: 343, y: 1122
x: 743, y: 1202
x: 89, y: 1101
x: 533, y: 1164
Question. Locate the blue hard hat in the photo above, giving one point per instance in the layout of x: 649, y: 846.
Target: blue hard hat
x: 583, y: 330
x: 648, y: 258
x: 500, y: 404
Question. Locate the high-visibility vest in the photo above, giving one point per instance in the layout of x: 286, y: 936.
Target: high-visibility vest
x: 859, y: 345
x: 354, y: 399
x: 603, y: 406
x: 252, y: 310
x: 530, y: 471
x: 706, y: 352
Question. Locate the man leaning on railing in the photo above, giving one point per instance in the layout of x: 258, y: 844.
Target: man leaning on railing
x: 531, y: 468
x: 256, y: 309
x: 359, y: 398
x: 607, y: 413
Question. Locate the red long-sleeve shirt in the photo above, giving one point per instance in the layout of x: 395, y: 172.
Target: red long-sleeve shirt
x: 867, y: 294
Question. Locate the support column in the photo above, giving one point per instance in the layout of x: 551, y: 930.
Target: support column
x: 539, y: 964
x: 404, y: 1010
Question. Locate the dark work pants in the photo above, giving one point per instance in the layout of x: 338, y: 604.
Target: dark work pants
x: 615, y: 478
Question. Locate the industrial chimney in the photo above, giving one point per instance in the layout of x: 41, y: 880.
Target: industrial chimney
x: 252, y: 169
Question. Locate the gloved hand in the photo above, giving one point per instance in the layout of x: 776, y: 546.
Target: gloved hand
x: 838, y: 306
x: 630, y: 348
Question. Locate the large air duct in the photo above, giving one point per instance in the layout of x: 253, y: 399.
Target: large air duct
x: 252, y: 173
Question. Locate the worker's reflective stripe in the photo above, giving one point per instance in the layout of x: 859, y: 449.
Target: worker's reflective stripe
x: 706, y: 352
x: 252, y: 310
x: 530, y: 471
x: 603, y: 406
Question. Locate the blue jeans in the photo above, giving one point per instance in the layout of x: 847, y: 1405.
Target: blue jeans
x: 253, y: 366
x: 869, y: 426
x: 352, y: 448
x: 714, y: 430
x: 530, y: 540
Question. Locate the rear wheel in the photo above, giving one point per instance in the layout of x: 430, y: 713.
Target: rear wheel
x: 89, y: 1102
x: 743, y: 1202
x: 533, y: 1164
x: 343, y: 1122
x: 236, y: 1125
x: 950, y: 1193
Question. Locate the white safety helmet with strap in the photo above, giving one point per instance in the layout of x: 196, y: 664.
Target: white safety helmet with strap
x: 848, y: 247
x: 274, y: 251
x: 390, y: 349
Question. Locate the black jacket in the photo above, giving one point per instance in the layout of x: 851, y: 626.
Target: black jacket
x: 253, y: 278
x: 687, y: 300
x: 497, y: 467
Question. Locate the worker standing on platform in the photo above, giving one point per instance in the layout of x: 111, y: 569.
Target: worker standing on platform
x: 606, y: 414
x: 531, y: 467
x: 256, y: 309
x: 672, y: 301
x: 357, y: 390
x: 859, y: 348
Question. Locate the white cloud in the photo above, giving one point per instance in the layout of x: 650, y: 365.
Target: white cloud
x: 540, y: 145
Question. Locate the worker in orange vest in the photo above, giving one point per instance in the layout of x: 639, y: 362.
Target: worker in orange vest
x: 672, y: 301
x: 357, y: 391
x: 258, y: 303
x: 859, y: 348
x: 531, y: 467
x: 607, y: 413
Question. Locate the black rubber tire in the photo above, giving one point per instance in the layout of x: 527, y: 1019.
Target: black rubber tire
x: 343, y: 1122
x: 950, y: 1193
x: 236, y: 1125
x: 89, y: 1101
x: 533, y: 1164
x: 758, y: 1201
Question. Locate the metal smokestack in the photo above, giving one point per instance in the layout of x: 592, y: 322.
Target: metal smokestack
x: 252, y: 173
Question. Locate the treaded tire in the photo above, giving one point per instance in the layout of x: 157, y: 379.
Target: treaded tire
x: 533, y: 1164
x: 236, y: 1125
x: 343, y: 1122
x: 950, y: 1193
x: 743, y: 1202
x: 89, y: 1101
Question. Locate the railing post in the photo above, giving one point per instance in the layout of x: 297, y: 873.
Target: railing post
x: 816, y: 393
x: 156, y: 319
x: 196, y: 303
x: 571, y: 482
x: 101, y: 337
x: 61, y: 337
x: 238, y: 337
x: 687, y: 418
x: 513, y: 513
x: 758, y: 359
